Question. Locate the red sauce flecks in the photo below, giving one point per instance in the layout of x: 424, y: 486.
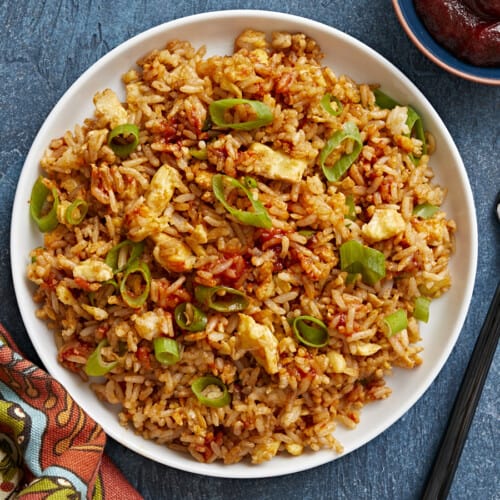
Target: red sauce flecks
x: 470, y: 29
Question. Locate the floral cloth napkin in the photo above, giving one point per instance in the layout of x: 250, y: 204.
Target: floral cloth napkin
x: 49, y: 447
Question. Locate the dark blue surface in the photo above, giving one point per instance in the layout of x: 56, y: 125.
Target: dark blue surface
x: 46, y: 45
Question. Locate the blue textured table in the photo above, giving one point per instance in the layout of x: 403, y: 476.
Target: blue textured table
x: 46, y: 45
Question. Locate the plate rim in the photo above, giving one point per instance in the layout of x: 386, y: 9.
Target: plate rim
x: 305, y: 23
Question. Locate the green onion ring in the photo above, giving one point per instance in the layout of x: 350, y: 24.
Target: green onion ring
x: 383, y: 101
x: 258, y: 218
x: 39, y: 194
x: 166, y: 351
x: 250, y: 182
x: 416, y: 126
x: 218, y: 108
x: 112, y: 257
x: 232, y: 300
x: 425, y: 210
x: 396, y: 322
x: 326, y: 103
x: 129, y: 297
x: 104, y: 290
x: 307, y: 233
x: 81, y: 206
x: 311, y: 335
x: 95, y: 365
x: 334, y: 172
x: 351, y: 208
x: 199, y: 154
x: 413, y: 120
x: 190, y: 318
x: 123, y: 139
x: 356, y: 258
x: 421, y: 309
x: 200, y: 384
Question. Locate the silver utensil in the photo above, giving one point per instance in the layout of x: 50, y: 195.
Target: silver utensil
x: 450, y: 450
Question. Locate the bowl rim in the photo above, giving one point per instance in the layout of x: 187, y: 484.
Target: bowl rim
x: 401, y: 8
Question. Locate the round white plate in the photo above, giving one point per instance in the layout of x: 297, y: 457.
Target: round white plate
x: 217, y: 30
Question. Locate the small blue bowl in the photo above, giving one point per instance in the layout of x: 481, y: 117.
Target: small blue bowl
x: 415, y: 29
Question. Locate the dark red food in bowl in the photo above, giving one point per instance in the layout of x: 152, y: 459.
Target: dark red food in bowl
x: 484, y: 8
x: 468, y: 28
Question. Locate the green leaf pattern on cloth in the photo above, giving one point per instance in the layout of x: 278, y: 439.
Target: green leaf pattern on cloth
x: 49, y: 447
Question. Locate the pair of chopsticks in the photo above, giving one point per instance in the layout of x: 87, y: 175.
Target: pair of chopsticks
x: 450, y: 450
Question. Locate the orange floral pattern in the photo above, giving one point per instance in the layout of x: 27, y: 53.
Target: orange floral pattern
x: 49, y: 447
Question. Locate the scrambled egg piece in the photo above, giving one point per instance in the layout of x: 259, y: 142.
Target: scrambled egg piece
x: 173, y: 254
x: 151, y: 323
x: 434, y: 230
x: 358, y: 348
x: 396, y: 120
x: 64, y: 295
x: 162, y: 188
x: 260, y: 55
x: 109, y: 107
x: 148, y: 218
x: 276, y: 165
x: 385, y: 223
x: 294, y: 449
x: 93, y: 270
x: 96, y: 312
x: 265, y: 451
x: 337, y: 362
x: 260, y: 341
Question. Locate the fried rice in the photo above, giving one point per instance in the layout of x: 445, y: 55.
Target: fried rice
x: 285, y: 396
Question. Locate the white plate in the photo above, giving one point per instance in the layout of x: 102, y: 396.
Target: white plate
x: 344, y: 54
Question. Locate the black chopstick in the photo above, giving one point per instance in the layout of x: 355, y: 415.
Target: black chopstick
x: 445, y: 464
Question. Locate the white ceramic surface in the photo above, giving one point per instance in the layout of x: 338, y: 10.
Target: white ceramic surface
x: 344, y: 54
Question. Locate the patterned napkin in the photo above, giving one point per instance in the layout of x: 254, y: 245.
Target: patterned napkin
x: 49, y: 447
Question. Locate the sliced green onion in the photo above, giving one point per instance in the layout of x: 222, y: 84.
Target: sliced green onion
x: 113, y: 256
x: 310, y: 331
x: 351, y: 278
x: 396, y: 322
x: 326, y: 103
x: 76, y: 212
x: 221, y: 298
x: 166, y: 350
x: 356, y: 258
x: 258, y: 218
x: 416, y: 126
x: 413, y: 120
x: 250, y: 182
x: 211, y: 391
x: 351, y: 208
x: 425, y: 210
x: 106, y: 289
x: 38, y: 202
x: 95, y: 365
x: 384, y: 101
x: 217, y: 110
x: 421, y: 309
x: 190, y: 318
x: 339, y: 168
x: 123, y: 139
x: 207, y: 125
x: 199, y: 154
x: 307, y: 233
x: 135, y: 294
